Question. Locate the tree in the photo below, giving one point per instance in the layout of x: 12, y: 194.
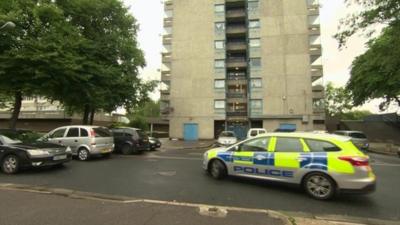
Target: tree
x: 337, y: 100
x: 30, y: 54
x: 375, y: 12
x: 140, y: 113
x: 112, y: 58
x: 376, y: 73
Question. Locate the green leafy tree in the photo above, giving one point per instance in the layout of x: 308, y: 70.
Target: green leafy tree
x: 112, y: 58
x: 36, y: 52
x: 337, y: 100
x: 374, y: 13
x: 376, y: 73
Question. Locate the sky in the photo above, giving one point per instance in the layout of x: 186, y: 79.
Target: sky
x: 149, y: 14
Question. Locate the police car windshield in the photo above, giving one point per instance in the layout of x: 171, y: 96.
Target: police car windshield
x: 227, y: 134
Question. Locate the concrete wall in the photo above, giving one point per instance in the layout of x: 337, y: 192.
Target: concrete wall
x: 192, y: 80
x: 285, y: 58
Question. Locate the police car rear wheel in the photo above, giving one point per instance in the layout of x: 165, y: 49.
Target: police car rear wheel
x: 217, y: 169
x: 319, y: 186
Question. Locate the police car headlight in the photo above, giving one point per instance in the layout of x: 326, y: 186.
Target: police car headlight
x: 37, y: 152
x: 68, y: 150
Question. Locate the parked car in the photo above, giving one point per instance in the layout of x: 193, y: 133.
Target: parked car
x: 130, y: 140
x: 154, y: 143
x: 253, y: 132
x: 357, y: 137
x: 15, y: 155
x: 227, y: 138
x: 85, y: 141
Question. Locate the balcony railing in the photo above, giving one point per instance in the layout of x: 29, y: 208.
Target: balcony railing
x: 234, y: 14
x: 236, y: 95
x: 236, y: 46
x: 234, y: 77
x: 236, y: 113
x: 315, y: 50
x: 236, y: 63
x: 237, y: 29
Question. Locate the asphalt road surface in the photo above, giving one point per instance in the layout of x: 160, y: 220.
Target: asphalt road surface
x: 178, y: 175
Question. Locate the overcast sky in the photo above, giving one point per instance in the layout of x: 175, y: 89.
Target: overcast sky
x: 149, y: 14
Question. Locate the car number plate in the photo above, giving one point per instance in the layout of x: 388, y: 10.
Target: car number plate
x: 59, y: 157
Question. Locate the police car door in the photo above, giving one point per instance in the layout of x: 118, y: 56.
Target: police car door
x: 251, y: 158
x: 288, y: 157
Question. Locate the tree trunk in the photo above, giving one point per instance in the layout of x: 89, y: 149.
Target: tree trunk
x: 92, y: 116
x: 85, y: 120
x: 16, y: 110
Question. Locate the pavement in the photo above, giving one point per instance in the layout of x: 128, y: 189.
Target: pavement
x: 173, y: 178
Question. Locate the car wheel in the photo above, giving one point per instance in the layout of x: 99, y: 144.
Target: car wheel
x: 83, y: 154
x: 319, y: 186
x: 217, y: 169
x: 126, y: 149
x: 10, y: 164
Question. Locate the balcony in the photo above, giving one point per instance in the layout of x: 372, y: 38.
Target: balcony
x: 315, y: 50
x: 236, y: 95
x: 236, y: 14
x: 234, y: 82
x: 236, y: 46
x: 316, y: 72
x: 166, y: 57
x: 164, y: 97
x: 236, y: 30
x: 168, y: 22
x: 314, y: 30
x: 236, y: 113
x: 238, y: 63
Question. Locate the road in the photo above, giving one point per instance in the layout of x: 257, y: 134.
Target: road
x: 177, y: 175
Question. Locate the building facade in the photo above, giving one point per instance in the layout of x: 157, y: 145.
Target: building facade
x: 240, y: 64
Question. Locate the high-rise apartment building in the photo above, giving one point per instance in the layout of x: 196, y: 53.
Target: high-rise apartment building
x: 240, y: 64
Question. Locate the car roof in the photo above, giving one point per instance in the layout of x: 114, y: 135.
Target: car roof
x: 307, y: 135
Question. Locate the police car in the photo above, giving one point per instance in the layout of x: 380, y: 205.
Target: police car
x: 323, y: 164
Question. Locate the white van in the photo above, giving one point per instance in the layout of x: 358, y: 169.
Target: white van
x: 255, y: 131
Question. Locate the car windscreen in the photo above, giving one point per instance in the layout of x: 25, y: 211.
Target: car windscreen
x: 102, y: 132
x: 357, y: 135
x: 227, y: 134
x: 141, y: 134
x: 8, y: 141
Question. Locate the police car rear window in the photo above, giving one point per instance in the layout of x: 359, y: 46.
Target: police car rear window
x: 284, y: 144
x: 321, y: 146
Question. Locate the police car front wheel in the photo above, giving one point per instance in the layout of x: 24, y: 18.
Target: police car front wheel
x: 217, y: 169
x: 319, y: 186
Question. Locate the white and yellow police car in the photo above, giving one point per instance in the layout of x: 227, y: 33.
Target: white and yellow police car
x: 323, y: 164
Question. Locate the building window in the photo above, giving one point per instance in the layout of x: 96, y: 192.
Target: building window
x: 255, y: 63
x: 256, y: 104
x: 220, y: 27
x: 219, y: 64
x: 252, y: 5
x: 219, y: 104
x: 254, y: 43
x: 253, y: 24
x: 256, y: 83
x: 219, y: 84
x: 220, y: 8
x: 219, y: 45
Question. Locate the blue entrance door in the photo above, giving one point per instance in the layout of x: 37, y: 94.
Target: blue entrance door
x: 190, y: 131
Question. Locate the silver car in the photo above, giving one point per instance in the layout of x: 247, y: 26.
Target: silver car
x: 84, y: 141
x: 357, y: 137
